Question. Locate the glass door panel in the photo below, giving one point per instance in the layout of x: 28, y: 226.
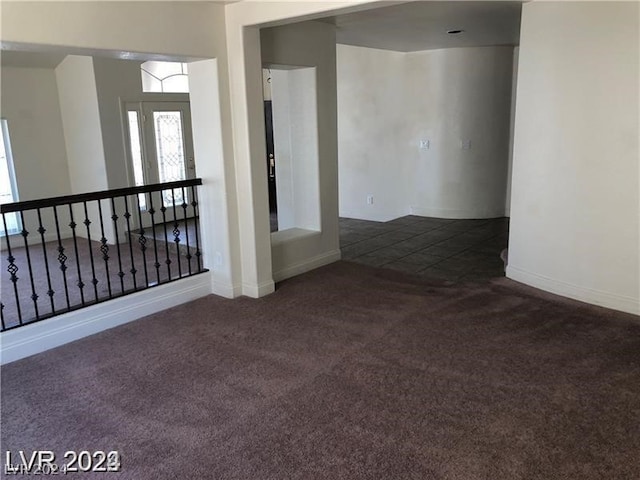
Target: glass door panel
x: 135, y: 149
x: 160, y: 150
x: 170, y: 152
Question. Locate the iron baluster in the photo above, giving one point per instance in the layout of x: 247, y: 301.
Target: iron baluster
x: 34, y: 295
x: 41, y: 269
x: 163, y: 209
x: 87, y: 222
x: 127, y: 216
x: 176, y: 231
x: 73, y: 225
x: 142, y: 241
x: 104, y: 247
x: 41, y: 231
x: 196, y: 219
x: 12, y: 268
x: 62, y: 258
x: 153, y: 231
x: 186, y: 229
x: 114, y: 218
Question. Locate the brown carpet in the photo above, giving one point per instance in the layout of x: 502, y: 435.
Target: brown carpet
x: 108, y: 283
x: 347, y: 372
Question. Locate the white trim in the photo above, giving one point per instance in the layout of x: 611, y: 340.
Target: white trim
x: 377, y: 215
x: 257, y: 291
x: 47, y: 334
x: 577, y: 292
x: 17, y: 241
x: 457, y: 214
x: 307, y: 265
x: 289, y: 234
x: 226, y: 290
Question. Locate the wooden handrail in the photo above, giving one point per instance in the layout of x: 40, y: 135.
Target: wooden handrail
x: 85, y: 197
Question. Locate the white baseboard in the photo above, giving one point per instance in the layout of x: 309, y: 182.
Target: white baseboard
x: 456, y: 214
x: 226, y: 289
x: 17, y: 241
x: 47, y: 334
x: 257, y: 291
x: 307, y: 265
x: 577, y: 292
x: 372, y: 215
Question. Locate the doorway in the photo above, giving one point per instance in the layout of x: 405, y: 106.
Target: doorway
x: 292, y: 148
x: 160, y: 150
x: 271, y: 165
x: 160, y: 142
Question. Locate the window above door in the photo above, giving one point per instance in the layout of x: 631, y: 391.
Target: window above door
x: 164, y: 77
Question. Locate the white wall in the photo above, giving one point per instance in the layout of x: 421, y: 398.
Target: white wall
x: 389, y: 101
x: 81, y: 119
x: 144, y: 30
x: 459, y: 95
x: 575, y: 203
x: 131, y: 28
x: 247, y: 121
x: 209, y: 85
x: 83, y: 135
x: 90, y: 25
x: 30, y: 106
x: 308, y: 44
x: 218, y: 216
x: 512, y: 123
x: 172, y: 31
x: 198, y: 29
x: 117, y: 82
x: 373, y: 145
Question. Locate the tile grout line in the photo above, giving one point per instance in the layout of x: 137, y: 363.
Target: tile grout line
x: 428, y: 245
x: 416, y: 235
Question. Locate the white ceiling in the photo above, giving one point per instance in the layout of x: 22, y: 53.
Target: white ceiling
x: 423, y: 25
x: 405, y: 27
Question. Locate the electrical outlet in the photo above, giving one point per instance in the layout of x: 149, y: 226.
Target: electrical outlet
x: 425, y: 144
x: 369, y: 199
x: 465, y: 144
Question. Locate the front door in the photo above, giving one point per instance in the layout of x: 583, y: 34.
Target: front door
x: 160, y: 151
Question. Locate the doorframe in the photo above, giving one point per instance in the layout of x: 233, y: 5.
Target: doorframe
x: 178, y: 98
x: 151, y: 142
x: 124, y: 122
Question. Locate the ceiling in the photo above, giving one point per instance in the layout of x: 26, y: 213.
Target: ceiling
x: 404, y: 27
x: 423, y: 25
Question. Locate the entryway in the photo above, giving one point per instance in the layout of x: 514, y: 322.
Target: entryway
x: 160, y: 149
x: 436, y: 248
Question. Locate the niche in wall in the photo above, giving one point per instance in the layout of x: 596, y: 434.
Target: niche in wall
x: 292, y: 160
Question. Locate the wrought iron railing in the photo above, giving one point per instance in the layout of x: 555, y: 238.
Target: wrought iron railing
x: 79, y: 250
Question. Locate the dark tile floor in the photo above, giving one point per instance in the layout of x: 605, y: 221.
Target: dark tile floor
x: 437, y: 248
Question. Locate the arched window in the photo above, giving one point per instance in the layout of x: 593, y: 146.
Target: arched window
x: 164, y: 77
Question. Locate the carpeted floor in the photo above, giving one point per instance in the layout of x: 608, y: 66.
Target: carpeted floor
x: 347, y: 372
x: 149, y: 270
